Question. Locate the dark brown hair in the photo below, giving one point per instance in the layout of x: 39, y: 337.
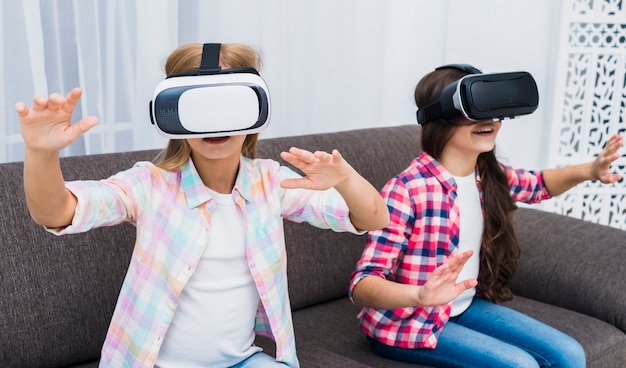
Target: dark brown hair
x: 187, y: 58
x: 500, y: 249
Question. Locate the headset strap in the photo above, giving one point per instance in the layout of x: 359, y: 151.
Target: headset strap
x: 210, y: 62
x: 429, y: 113
x: 467, y: 68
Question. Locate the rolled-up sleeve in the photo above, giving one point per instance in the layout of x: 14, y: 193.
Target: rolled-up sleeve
x: 526, y: 185
x: 325, y: 209
x: 106, y: 202
x: 384, y: 247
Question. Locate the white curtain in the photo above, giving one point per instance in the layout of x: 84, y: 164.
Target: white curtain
x: 330, y: 65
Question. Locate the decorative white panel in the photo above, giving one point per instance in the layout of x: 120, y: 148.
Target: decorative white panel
x: 590, y: 105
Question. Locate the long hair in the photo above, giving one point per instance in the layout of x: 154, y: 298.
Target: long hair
x: 500, y: 249
x: 187, y: 58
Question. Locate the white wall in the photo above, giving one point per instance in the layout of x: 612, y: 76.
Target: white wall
x: 330, y: 65
x: 513, y: 35
x: 338, y: 79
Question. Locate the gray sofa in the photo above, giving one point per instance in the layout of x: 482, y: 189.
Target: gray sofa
x: 57, y: 293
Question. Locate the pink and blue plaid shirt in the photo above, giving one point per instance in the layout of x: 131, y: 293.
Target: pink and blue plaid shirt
x: 172, y: 214
x: 423, y: 230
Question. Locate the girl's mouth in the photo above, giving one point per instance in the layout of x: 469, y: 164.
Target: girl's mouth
x: 215, y: 140
x: 485, y: 129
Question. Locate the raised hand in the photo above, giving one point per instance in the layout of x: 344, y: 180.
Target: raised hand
x: 322, y: 170
x: 47, y: 126
x: 601, y: 167
x: 441, y: 286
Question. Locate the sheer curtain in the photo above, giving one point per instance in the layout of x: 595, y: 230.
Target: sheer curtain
x: 100, y: 46
x: 330, y: 65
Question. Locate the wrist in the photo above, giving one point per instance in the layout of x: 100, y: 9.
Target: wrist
x: 31, y: 153
x: 592, y: 173
x: 344, y: 185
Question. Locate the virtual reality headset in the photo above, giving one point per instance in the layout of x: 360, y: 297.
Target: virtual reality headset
x: 211, y: 102
x: 478, y: 96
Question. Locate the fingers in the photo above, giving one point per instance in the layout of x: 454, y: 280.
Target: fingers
x: 84, y: 125
x: 22, y: 109
x: 309, y: 157
x: 468, y: 284
x: 609, y: 153
x: 453, y: 265
x: 72, y: 99
x: 296, y: 155
x: 606, y: 157
x: 295, y: 183
x: 39, y: 103
x: 306, y: 157
x: 456, y: 261
x: 53, y: 103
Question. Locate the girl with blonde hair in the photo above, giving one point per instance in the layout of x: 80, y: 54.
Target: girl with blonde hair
x: 208, y: 270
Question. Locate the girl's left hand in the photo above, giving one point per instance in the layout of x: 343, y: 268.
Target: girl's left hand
x: 601, y: 167
x: 322, y: 170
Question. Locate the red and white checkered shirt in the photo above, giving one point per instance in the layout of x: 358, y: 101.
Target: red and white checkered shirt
x: 423, y: 230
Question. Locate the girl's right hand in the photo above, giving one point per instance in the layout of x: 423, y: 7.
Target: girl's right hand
x: 47, y: 126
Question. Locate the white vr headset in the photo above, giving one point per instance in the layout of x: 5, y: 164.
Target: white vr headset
x: 211, y: 102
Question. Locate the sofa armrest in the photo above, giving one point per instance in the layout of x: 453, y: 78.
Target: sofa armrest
x: 572, y: 264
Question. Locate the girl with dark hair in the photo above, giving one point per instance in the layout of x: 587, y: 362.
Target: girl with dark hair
x: 430, y: 282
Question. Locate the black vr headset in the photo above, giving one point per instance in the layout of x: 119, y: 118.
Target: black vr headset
x: 479, y: 96
x: 211, y: 102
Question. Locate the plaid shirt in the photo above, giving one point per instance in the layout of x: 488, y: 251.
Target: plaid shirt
x: 172, y: 214
x: 424, y: 229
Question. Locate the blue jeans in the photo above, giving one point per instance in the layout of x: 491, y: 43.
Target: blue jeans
x: 260, y: 360
x: 490, y: 335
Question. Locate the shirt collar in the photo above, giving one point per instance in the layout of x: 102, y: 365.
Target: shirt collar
x: 441, y: 173
x: 197, y: 193
x: 247, y: 179
x: 193, y: 187
x: 437, y: 170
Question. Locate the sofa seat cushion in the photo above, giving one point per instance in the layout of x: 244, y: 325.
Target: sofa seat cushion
x: 604, y: 344
x: 332, y: 328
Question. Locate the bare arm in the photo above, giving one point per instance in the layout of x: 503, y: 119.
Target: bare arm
x: 323, y: 170
x: 46, y: 129
x: 560, y: 180
x: 440, y: 288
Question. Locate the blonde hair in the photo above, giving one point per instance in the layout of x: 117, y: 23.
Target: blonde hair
x: 186, y: 59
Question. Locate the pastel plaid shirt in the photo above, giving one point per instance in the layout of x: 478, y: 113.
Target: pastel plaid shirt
x: 423, y: 230
x: 172, y: 214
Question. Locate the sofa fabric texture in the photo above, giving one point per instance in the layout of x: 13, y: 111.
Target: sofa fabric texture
x: 57, y: 294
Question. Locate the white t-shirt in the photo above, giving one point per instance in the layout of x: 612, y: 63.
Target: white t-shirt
x: 470, y: 235
x: 214, y: 322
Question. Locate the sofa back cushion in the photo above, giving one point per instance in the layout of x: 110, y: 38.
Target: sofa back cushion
x: 572, y: 263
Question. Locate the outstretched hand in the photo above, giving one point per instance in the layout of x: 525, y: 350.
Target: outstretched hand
x: 601, y: 167
x: 441, y: 286
x: 322, y: 170
x: 47, y: 126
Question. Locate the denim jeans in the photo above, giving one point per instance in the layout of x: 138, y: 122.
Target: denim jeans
x: 260, y: 360
x: 490, y: 335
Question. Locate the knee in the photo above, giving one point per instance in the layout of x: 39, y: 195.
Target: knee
x: 520, y: 359
x: 571, y: 354
x: 563, y: 352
